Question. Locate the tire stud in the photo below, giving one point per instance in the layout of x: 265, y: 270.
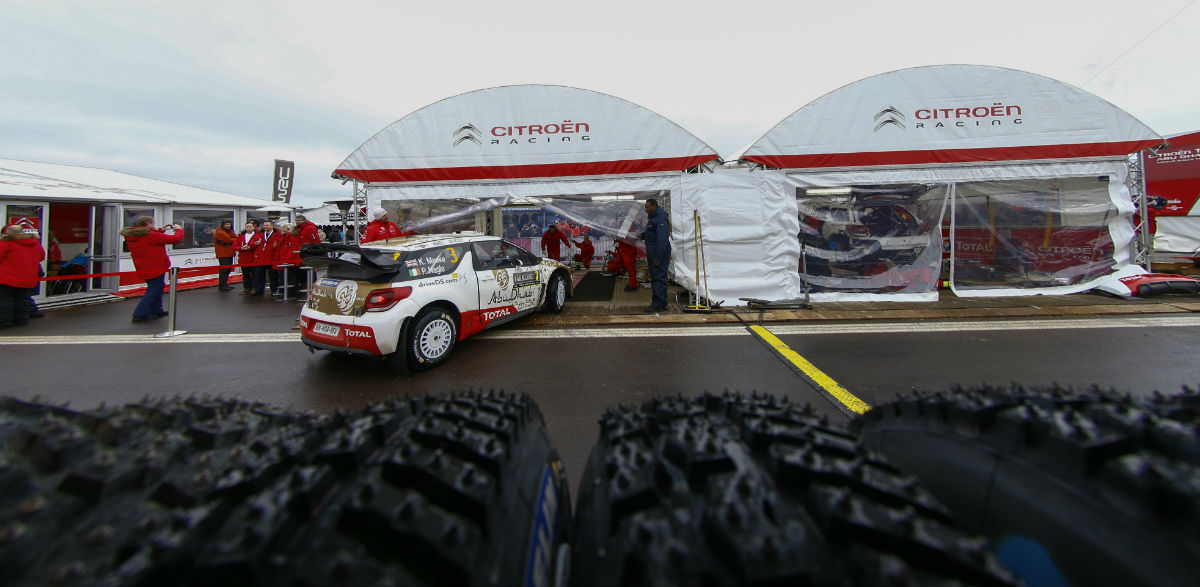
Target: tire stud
x: 643, y: 534
x: 452, y: 536
x: 407, y: 512
x: 770, y: 549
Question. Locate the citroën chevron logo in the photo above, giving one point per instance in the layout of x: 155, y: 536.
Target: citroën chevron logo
x: 889, y: 116
x: 467, y: 132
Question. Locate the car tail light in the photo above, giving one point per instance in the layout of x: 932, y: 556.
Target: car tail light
x: 380, y: 300
x: 858, y: 230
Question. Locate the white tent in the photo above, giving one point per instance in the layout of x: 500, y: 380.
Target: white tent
x: 577, y: 156
x: 1021, y: 178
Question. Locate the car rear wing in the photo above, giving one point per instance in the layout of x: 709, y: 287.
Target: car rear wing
x: 352, y: 262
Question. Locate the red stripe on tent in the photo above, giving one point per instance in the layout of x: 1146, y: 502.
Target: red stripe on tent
x: 527, y: 171
x: 953, y: 155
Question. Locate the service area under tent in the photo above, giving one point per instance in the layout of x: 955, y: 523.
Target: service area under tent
x: 513, y: 160
x: 1000, y: 181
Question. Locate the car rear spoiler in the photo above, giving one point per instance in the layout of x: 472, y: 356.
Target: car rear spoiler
x: 366, y: 265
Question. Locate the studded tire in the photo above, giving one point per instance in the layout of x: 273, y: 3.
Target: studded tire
x: 459, y: 489
x: 1086, y: 488
x: 731, y: 489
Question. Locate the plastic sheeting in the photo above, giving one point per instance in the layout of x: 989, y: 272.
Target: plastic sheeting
x: 1032, y: 233
x: 749, y: 226
x: 872, y: 238
x: 1016, y: 229
x: 603, y: 209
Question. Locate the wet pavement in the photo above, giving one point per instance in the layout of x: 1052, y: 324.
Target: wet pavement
x: 576, y: 377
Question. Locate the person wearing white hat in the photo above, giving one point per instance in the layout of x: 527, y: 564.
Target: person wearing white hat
x: 380, y: 228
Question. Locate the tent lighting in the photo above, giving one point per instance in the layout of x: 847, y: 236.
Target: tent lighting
x: 611, y: 198
x: 826, y: 191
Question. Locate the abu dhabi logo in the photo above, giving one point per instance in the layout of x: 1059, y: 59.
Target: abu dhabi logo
x: 889, y: 115
x: 467, y: 133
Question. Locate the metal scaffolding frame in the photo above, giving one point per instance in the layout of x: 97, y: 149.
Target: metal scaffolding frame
x: 360, y: 200
x: 1143, y: 244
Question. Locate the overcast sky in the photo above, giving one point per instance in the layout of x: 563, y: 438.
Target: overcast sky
x: 210, y: 93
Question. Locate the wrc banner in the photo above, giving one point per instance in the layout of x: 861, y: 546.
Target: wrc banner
x: 525, y: 131
x: 281, y: 190
x: 949, y: 114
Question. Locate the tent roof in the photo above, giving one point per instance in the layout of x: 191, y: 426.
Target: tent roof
x: 946, y: 114
x: 524, y: 131
x: 57, y: 182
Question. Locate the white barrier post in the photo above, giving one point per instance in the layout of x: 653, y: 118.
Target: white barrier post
x: 285, y: 281
x: 171, y: 312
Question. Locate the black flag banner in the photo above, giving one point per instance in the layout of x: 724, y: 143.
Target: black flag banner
x: 282, y: 190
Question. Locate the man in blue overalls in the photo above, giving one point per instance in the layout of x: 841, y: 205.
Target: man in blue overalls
x: 658, y: 253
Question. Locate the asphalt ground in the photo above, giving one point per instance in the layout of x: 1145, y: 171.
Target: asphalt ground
x: 244, y: 347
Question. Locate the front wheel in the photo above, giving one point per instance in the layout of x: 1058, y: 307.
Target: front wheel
x: 556, y: 294
x: 429, y: 340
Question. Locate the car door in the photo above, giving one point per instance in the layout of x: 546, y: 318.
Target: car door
x: 508, y: 281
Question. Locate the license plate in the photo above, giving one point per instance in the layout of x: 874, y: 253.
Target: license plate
x: 326, y: 329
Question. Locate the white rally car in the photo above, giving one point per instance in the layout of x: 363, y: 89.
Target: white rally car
x: 411, y: 299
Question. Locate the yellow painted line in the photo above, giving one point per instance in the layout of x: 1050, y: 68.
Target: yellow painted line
x: 816, y: 375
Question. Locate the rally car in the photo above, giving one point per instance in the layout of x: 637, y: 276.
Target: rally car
x: 411, y: 299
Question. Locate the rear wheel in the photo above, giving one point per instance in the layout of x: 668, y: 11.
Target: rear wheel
x: 431, y: 337
x: 556, y: 294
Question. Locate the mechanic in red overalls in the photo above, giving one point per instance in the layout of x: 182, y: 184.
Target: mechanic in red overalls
x: 551, y: 239
x: 586, y: 250
x: 626, y: 259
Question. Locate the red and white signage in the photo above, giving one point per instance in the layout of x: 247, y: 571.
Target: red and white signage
x: 950, y: 114
x: 1173, y: 177
x: 525, y: 131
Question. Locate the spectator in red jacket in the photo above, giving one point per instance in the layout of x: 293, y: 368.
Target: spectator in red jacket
x: 586, y: 250
x: 223, y: 246
x: 248, y: 243
x: 288, y: 256
x: 551, y: 239
x: 148, y: 249
x: 380, y: 228
x: 268, y: 255
x: 21, y: 255
x: 307, y: 230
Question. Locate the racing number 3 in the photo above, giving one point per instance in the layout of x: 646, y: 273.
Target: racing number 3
x: 453, y: 254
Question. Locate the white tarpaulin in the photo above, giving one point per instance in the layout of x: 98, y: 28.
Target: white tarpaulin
x: 525, y: 131
x: 749, y: 228
x: 1179, y: 234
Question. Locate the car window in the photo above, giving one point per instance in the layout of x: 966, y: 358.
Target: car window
x: 499, y: 254
x: 434, y: 262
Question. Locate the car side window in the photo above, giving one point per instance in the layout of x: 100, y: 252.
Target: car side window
x: 519, y: 255
x: 434, y: 262
x: 497, y: 255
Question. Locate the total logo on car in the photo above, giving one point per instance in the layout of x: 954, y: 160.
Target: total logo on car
x: 411, y: 299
